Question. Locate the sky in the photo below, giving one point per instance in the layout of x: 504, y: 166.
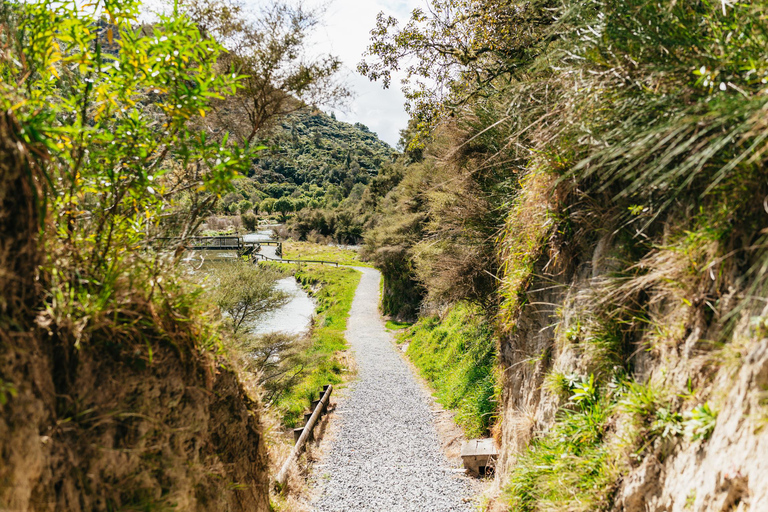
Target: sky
x: 345, y: 32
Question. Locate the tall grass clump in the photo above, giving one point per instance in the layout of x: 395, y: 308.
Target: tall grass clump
x: 571, y: 466
x: 457, y: 355
x: 673, y: 101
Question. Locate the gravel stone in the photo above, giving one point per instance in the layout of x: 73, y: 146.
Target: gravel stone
x: 386, y: 455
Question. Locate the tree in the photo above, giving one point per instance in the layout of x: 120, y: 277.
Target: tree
x: 230, y: 199
x: 268, y: 51
x: 250, y: 222
x: 268, y: 205
x: 457, y: 51
x: 278, y: 360
x: 127, y: 157
x: 244, y: 205
x: 299, y: 203
x: 284, y: 205
x: 246, y: 292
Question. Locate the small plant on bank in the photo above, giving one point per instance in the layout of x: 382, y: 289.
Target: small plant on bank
x: 700, y: 422
x: 250, y: 222
x: 561, y: 384
x: 651, y: 414
x: 585, y: 392
x: 7, y: 390
x: 668, y: 423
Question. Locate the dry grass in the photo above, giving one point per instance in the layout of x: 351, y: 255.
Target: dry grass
x: 312, y: 251
x: 528, y: 227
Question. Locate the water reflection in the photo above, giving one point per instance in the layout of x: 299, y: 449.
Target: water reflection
x: 294, y: 317
x: 262, y: 235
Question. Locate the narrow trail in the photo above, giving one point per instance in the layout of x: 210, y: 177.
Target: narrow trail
x: 386, y: 454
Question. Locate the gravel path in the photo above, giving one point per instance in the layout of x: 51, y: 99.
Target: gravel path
x: 386, y: 455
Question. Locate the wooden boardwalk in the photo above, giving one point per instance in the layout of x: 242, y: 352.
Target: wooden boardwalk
x: 238, y: 244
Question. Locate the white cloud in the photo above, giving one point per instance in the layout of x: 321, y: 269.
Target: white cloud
x: 346, y: 33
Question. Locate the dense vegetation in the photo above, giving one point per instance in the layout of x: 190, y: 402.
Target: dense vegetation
x: 549, y: 138
x: 313, y: 159
x: 314, y: 148
x: 317, y: 165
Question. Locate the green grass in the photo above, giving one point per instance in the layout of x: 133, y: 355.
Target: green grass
x: 333, y: 288
x: 309, y: 251
x: 576, y: 464
x: 457, y: 356
x: 396, y: 326
x: 569, y: 467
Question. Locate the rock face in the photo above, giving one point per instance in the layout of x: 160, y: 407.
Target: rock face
x: 728, y: 470
x: 88, y: 431
x: 126, y: 420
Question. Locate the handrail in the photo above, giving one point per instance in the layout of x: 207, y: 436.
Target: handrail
x: 283, y: 474
x: 281, y: 260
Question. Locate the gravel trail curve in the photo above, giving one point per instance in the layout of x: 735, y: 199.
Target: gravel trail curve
x: 386, y: 454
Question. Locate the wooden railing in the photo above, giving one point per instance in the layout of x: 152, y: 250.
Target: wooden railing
x: 320, y: 408
x: 283, y: 260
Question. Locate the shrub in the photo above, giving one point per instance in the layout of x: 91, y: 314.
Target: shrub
x: 268, y: 205
x: 249, y: 220
x: 244, y: 205
x: 284, y: 205
x: 247, y: 292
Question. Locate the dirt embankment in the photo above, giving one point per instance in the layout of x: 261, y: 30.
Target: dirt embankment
x: 681, y: 347
x: 128, y: 420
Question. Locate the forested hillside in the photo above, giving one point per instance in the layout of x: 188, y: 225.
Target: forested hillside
x: 315, y: 164
x: 313, y: 147
x: 591, y: 175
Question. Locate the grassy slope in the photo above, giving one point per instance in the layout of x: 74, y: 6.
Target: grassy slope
x: 334, y: 290
x: 310, y: 251
x: 457, y: 357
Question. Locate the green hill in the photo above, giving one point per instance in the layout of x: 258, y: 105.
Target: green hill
x: 315, y: 148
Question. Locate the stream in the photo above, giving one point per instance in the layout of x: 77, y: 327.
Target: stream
x: 296, y: 316
x: 293, y: 318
